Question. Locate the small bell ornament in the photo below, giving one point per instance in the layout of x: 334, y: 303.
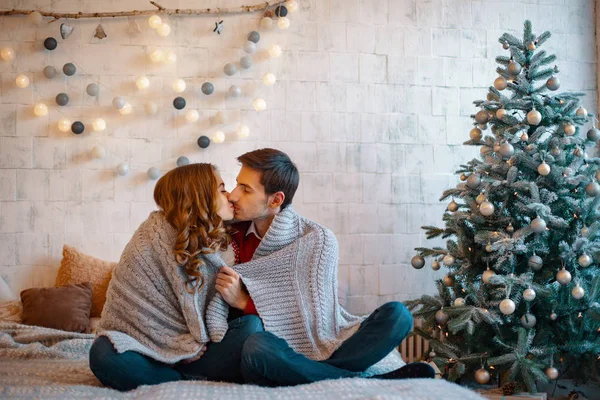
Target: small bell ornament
x: 510, y: 228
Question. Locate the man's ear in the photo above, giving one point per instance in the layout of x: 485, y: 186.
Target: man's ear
x: 277, y: 200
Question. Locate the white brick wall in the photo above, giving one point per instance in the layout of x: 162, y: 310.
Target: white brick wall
x: 372, y: 101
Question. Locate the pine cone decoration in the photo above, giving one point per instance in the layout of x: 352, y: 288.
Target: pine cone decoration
x: 510, y: 388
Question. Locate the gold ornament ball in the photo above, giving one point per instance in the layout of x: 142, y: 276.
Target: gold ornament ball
x: 506, y: 150
x: 473, y: 181
x: 441, y: 317
x: 531, y: 46
x: 592, y: 189
x: 448, y: 260
x: 552, y: 373
x: 569, y: 129
x: 501, y: 113
x: 487, y: 275
x: 563, y: 277
x: 480, y: 198
x: 463, y: 177
x: 448, y: 281
x: 514, y: 68
x: 544, y: 169
x: 538, y: 225
x: 500, y: 83
x: 534, y: 117
x: 482, y: 117
x: 507, y: 306
x: 510, y: 228
x: 582, y: 112
x: 524, y: 137
x: 417, y: 262
x: 482, y: 376
x: 577, y: 292
x: 459, y: 302
x: 475, y: 134
x: 553, y: 316
x: 435, y: 265
x: 584, y: 260
x: 486, y: 209
x: 453, y: 206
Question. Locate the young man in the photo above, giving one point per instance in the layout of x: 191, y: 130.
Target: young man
x: 292, y: 286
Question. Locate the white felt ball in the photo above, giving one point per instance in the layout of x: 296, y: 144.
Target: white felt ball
x: 163, y: 29
x: 40, y: 109
x: 259, y: 104
x: 64, y: 125
x: 151, y: 108
x: 266, y: 23
x: 142, y: 82
x: 274, y: 51
x: 126, y: 110
x: 243, y: 131
x: 283, y: 22
x: 98, y: 152
x: 154, y: 21
x: 269, y: 79
x: 249, y: 47
x: 22, y: 81
x: 218, y: 137
x: 7, y: 54
x: 153, y: 173
x: 192, y: 115
x: 179, y: 85
x: 99, y: 125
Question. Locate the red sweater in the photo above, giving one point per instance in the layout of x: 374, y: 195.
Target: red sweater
x: 247, y: 245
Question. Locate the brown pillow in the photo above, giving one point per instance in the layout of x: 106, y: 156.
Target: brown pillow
x: 66, y: 308
x: 77, y: 267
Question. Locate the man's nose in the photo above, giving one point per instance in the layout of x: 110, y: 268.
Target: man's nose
x: 233, y: 197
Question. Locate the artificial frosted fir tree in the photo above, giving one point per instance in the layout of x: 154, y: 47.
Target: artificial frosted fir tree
x: 520, y: 297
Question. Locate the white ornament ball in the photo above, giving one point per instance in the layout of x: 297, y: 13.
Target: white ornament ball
x: 563, y: 277
x: 123, y: 169
x: 441, y: 317
x: 35, y: 18
x: 569, y: 129
x: 283, y: 22
x: 528, y: 321
x: 577, y: 292
x: 507, y: 306
x: 482, y: 376
x: 163, y: 30
x: 151, y: 108
x: 417, y: 262
x: 582, y: 112
x: 98, y: 152
x: 153, y: 173
x: 269, y: 79
x: 266, y: 23
x: 584, y: 260
x: 259, y: 104
x: 538, y: 225
x: 192, y: 115
x: 459, y: 302
x: 99, y: 125
x: 126, y: 110
x: 22, y: 81
x: 218, y: 137
x: 500, y: 83
x: 544, y: 169
x: 534, y: 117
x: 529, y: 294
x: 157, y: 55
x: 142, y: 82
x: 552, y: 373
x: 274, y: 51
x: 170, y: 57
x: 179, y: 85
x: 291, y: 5
x: 487, y: 275
x: 553, y: 316
x: 553, y: 83
x: 249, y: 47
x: 64, y: 125
x: 154, y: 21
x: 243, y: 131
x: 40, y: 109
x: 118, y: 102
x: 7, y: 54
x: 448, y: 260
x: 486, y: 209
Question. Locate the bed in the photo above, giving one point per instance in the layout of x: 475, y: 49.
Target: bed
x: 38, y: 362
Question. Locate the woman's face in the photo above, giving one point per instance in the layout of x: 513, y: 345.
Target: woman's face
x: 225, y: 210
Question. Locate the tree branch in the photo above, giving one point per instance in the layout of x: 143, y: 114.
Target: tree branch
x: 161, y: 10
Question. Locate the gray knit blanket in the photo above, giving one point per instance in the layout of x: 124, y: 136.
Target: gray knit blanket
x: 45, y: 363
x: 292, y: 279
x: 148, y: 309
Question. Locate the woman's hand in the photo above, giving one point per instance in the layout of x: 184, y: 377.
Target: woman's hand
x: 196, y: 357
x: 229, y: 284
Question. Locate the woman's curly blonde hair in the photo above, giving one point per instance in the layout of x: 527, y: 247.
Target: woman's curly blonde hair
x: 188, y: 196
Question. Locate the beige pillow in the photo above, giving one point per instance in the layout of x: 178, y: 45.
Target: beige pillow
x: 77, y: 267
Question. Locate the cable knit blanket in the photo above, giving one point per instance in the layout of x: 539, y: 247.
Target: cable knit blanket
x: 292, y: 280
x: 45, y: 363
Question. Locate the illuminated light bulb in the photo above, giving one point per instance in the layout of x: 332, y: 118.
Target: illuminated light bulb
x: 259, y: 104
x: 192, y: 115
x: 269, y: 79
x: 163, y: 30
x: 157, y: 55
x: 151, y: 108
x: 154, y: 21
x: 126, y: 110
x: 99, y: 125
x: 142, y: 82
x: 171, y: 57
x: 7, y: 54
x: 243, y: 131
x: 22, y: 81
x: 274, y: 51
x: 179, y: 85
x: 283, y: 22
x: 40, y: 109
x: 218, y: 137
x: 64, y: 125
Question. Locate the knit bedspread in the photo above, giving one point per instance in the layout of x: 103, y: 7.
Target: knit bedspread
x: 50, y: 364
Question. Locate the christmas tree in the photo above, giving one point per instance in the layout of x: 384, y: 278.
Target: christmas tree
x: 520, y: 300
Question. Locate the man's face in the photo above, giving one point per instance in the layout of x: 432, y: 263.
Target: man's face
x: 249, y: 199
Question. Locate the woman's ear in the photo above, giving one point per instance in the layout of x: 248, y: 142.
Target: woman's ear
x: 277, y: 200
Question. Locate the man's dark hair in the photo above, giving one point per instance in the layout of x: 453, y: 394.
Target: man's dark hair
x: 279, y: 174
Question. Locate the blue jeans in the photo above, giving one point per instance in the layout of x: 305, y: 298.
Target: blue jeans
x: 269, y: 361
x: 128, y: 370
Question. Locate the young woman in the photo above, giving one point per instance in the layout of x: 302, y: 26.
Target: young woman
x: 153, y: 328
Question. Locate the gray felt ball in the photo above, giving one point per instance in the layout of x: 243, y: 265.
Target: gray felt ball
x: 118, y: 102
x: 77, y: 127
x: 153, y: 173
x: 62, y: 99
x: 235, y: 91
x: 179, y: 103
x: 207, y: 88
x: 246, y: 62
x: 203, y: 142
x: 249, y: 47
x: 50, y: 43
x: 69, y: 69
x: 183, y: 160
x: 49, y: 71
x: 229, y: 69
x: 254, y: 37
x: 92, y: 89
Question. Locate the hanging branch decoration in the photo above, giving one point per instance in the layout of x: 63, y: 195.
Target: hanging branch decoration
x: 100, y: 34
x: 161, y: 10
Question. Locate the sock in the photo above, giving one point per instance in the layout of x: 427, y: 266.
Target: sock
x: 412, y: 370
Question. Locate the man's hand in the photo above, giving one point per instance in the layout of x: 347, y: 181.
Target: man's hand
x: 229, y: 285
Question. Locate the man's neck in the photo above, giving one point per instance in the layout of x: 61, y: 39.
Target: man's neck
x: 262, y: 225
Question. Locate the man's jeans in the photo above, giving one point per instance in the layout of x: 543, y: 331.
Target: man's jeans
x: 269, y: 361
x: 128, y: 370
